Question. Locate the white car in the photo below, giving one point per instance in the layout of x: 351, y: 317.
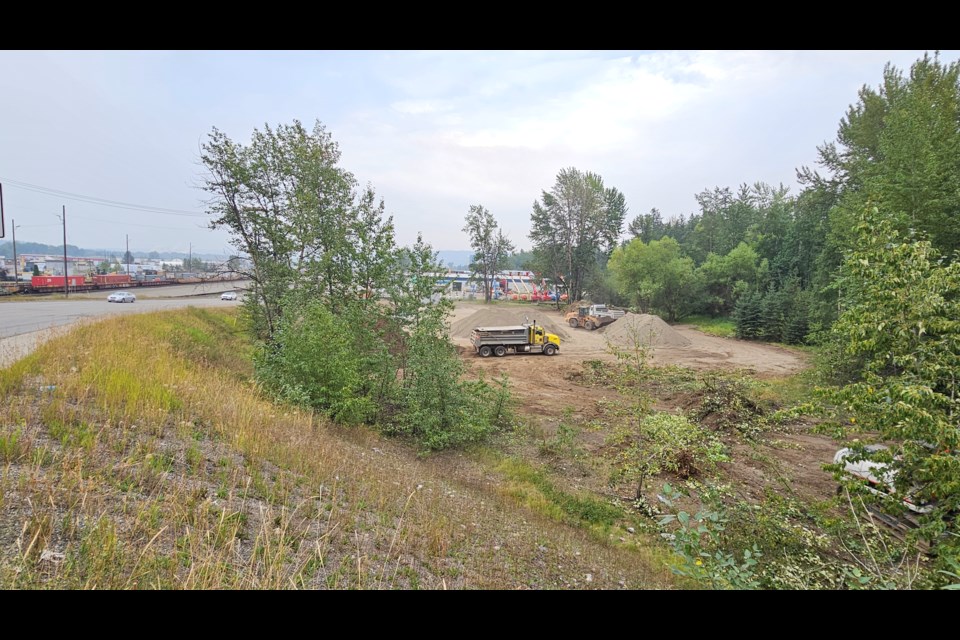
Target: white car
x: 229, y: 295
x: 121, y: 296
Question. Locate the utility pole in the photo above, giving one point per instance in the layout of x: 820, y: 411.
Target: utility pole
x: 16, y: 278
x: 66, y: 271
x: 127, y: 255
x: 190, y: 259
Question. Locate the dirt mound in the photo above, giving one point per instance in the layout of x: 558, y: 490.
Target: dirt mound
x: 496, y: 317
x: 651, y: 329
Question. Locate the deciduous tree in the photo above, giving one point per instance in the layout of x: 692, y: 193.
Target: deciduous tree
x: 490, y: 247
x: 573, y: 222
x: 897, y: 341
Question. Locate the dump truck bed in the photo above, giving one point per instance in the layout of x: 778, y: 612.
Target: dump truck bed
x: 522, y: 330
x: 499, y: 335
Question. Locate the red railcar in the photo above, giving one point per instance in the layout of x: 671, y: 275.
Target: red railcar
x: 52, y: 282
x: 111, y: 278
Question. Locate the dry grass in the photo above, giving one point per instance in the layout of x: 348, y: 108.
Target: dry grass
x: 138, y: 453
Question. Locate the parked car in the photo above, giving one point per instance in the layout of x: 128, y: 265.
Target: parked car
x: 229, y: 295
x: 121, y: 296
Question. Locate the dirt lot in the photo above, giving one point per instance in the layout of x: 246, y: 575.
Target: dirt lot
x: 546, y: 385
x: 547, y: 388
x: 701, y: 351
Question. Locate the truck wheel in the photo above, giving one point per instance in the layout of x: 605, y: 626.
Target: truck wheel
x: 549, y: 350
x: 573, y: 323
x: 485, y: 351
x: 590, y: 326
x: 499, y: 351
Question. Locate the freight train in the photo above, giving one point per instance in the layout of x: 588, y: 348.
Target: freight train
x: 55, y: 284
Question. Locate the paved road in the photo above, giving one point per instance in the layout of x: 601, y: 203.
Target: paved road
x: 171, y: 291
x: 17, y: 318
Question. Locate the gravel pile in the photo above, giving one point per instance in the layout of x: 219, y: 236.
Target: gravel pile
x: 652, y: 330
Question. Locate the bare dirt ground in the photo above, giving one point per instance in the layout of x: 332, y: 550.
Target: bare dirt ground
x: 702, y: 352
x: 547, y: 390
x: 788, y: 463
x: 548, y: 384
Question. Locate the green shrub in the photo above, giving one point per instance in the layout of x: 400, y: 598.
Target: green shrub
x: 666, y: 442
x: 438, y: 407
x: 313, y: 362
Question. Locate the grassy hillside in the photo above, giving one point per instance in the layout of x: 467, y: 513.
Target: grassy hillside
x: 138, y: 453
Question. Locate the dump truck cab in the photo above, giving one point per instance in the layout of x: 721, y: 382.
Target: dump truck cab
x: 539, y: 336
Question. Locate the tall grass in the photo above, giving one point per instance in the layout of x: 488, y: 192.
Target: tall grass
x: 723, y: 327
x: 139, y: 453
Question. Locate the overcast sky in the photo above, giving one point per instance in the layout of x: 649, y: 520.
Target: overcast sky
x: 433, y: 132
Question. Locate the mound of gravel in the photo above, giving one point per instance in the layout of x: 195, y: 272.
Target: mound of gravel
x: 653, y: 331
x: 499, y: 317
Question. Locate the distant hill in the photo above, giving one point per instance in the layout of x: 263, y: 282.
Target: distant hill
x: 6, y: 250
x: 455, y: 259
x: 461, y: 259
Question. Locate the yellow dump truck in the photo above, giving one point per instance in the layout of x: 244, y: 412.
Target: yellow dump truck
x: 521, y: 338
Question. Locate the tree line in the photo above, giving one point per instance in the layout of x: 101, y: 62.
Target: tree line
x: 757, y: 254
x: 863, y: 262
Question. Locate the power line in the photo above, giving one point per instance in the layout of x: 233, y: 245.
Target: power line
x: 130, y: 224
x: 26, y: 186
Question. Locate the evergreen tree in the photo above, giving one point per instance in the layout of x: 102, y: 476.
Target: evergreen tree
x: 748, y: 315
